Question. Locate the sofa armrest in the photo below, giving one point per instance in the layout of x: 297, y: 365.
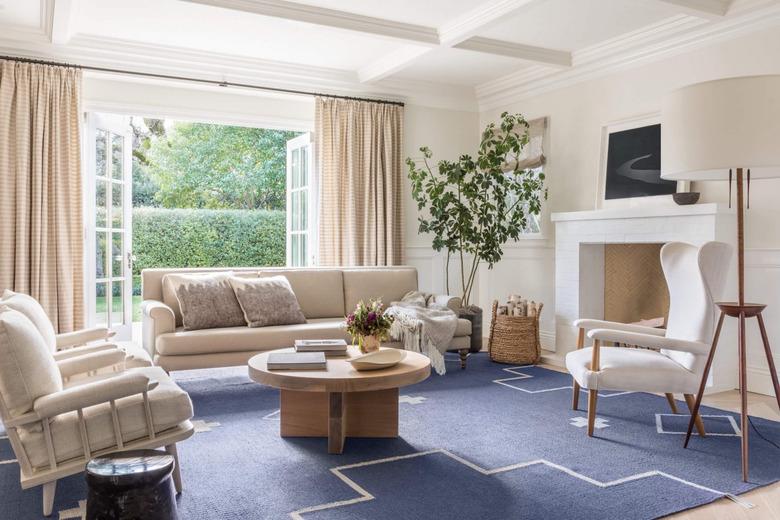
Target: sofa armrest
x: 452, y: 302
x: 91, y: 394
x: 72, y: 366
x: 157, y: 318
x: 81, y: 337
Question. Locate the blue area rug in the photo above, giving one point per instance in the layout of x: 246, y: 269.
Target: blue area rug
x: 490, y: 442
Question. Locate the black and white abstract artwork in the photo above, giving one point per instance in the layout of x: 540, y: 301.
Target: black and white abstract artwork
x: 634, y: 164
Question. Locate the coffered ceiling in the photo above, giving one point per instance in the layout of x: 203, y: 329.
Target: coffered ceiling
x: 442, y: 52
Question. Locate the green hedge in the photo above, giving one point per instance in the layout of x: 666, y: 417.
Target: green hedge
x: 207, y: 238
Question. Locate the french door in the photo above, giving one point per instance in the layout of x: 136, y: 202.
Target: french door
x: 108, y: 193
x: 301, y: 202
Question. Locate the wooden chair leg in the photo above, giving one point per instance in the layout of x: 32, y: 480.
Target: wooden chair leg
x: 592, y: 396
x: 672, y: 404
x: 464, y: 354
x: 691, y: 402
x: 575, y: 396
x: 49, y: 489
x: 176, y: 475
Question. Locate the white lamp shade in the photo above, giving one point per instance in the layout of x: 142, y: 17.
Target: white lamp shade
x: 710, y: 127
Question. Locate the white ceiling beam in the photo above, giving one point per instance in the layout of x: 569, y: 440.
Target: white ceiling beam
x: 63, y: 18
x: 710, y: 9
x: 460, y: 32
x: 469, y: 24
x: 391, y: 63
x: 329, y: 17
x: 517, y: 50
x: 452, y: 34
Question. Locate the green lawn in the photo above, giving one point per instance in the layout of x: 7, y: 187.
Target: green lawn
x: 100, y: 306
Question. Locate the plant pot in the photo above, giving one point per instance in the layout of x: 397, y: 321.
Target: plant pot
x: 369, y: 344
x: 474, y: 315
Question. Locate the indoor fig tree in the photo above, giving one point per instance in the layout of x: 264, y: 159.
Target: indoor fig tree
x: 475, y: 205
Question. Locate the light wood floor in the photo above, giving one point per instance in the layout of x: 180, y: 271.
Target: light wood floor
x: 766, y: 499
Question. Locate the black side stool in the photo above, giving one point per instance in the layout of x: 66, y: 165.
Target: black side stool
x: 131, y: 485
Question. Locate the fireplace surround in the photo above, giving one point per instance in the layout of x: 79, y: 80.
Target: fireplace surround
x: 580, y: 239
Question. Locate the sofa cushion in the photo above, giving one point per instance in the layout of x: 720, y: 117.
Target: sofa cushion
x: 389, y: 285
x: 206, y: 301
x: 238, y: 339
x: 170, y: 406
x: 170, y: 282
x: 267, y: 301
x: 27, y: 368
x: 30, y: 307
x: 320, y: 292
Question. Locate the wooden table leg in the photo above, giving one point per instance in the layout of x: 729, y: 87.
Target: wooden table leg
x: 744, y: 426
x: 770, y: 360
x: 704, y: 377
x: 336, y: 422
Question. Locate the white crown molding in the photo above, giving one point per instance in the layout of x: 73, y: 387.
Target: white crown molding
x: 710, y: 9
x: 329, y: 17
x: 116, y: 53
x: 517, y: 50
x: 672, y: 36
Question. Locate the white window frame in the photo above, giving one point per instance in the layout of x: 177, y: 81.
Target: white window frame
x: 312, y: 200
x: 109, y: 122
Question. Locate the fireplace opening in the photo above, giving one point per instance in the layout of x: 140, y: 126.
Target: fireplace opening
x: 635, y: 289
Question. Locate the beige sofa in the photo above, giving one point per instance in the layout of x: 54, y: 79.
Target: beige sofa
x: 326, y: 295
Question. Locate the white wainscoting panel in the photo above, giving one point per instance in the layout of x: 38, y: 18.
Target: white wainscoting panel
x: 762, y: 285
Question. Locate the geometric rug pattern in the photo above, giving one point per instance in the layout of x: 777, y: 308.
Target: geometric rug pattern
x: 487, y: 442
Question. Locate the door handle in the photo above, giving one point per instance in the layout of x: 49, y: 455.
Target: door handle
x: 131, y: 258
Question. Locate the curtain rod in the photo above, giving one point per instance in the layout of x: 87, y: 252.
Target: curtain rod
x: 198, y: 80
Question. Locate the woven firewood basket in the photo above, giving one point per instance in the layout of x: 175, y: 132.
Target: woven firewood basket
x: 514, y: 339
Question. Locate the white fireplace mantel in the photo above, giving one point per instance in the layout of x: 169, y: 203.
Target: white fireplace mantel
x: 579, y: 260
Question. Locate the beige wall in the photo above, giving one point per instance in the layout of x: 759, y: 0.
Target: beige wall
x: 449, y: 134
x: 577, y: 115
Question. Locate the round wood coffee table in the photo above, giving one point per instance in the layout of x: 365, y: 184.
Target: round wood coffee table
x: 340, y: 401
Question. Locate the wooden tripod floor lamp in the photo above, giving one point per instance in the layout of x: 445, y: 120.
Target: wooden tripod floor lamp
x: 727, y: 129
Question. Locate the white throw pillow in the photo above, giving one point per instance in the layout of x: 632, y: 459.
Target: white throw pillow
x: 30, y: 307
x: 27, y: 368
x: 267, y: 301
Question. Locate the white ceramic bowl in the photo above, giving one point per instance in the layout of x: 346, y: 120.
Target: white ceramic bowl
x: 383, y: 358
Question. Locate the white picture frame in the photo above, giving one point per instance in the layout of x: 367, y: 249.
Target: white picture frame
x: 619, y: 126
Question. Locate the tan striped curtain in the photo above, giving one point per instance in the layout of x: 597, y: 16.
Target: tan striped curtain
x: 360, y: 147
x: 41, y: 246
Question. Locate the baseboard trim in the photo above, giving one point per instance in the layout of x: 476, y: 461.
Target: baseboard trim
x: 759, y: 381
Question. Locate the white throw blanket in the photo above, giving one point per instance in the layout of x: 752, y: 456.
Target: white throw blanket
x: 427, y: 330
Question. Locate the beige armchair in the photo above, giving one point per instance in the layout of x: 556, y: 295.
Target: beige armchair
x: 69, y: 345
x: 55, y: 426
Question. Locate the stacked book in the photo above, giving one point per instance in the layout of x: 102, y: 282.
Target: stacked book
x: 309, y: 354
x: 330, y: 347
x: 296, y: 361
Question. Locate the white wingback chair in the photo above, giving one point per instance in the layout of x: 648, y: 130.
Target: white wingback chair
x: 695, y: 277
x: 56, y: 426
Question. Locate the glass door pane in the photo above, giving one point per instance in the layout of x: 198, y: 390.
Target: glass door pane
x: 299, y: 201
x: 108, y: 165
